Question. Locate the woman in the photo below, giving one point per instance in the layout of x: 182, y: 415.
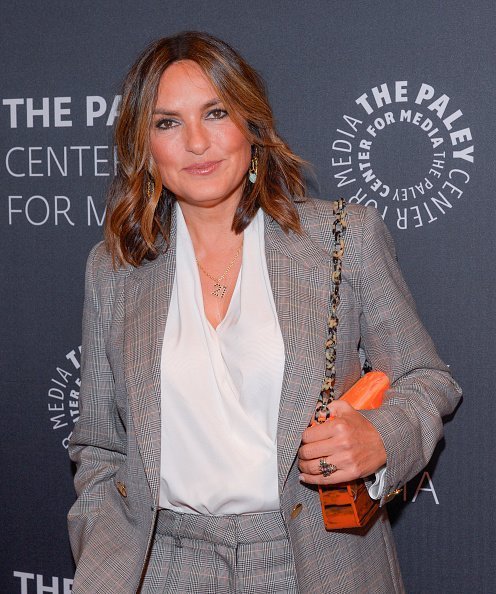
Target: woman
x: 203, y: 354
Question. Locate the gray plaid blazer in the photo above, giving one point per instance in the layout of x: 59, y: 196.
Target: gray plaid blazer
x: 116, y: 442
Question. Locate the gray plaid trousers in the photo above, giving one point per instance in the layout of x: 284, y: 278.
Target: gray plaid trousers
x: 234, y: 554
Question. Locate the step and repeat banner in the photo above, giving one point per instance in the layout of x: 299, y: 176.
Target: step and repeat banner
x: 392, y: 103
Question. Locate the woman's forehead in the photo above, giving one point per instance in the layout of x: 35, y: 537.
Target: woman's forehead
x: 183, y: 78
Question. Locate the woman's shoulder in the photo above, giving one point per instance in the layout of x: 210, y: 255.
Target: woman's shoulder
x: 317, y: 216
x: 100, y: 266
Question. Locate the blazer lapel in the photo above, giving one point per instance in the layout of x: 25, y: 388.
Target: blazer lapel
x: 148, y: 294
x: 300, y: 277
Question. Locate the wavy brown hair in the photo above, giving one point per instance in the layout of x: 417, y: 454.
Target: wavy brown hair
x: 137, y: 224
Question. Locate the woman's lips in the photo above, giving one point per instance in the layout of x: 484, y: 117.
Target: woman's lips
x: 202, y: 168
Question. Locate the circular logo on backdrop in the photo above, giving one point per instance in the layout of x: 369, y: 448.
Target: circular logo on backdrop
x: 63, y: 396
x: 405, y: 149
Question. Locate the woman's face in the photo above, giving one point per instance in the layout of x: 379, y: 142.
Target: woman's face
x: 202, y: 156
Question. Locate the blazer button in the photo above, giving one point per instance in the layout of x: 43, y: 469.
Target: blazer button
x: 392, y: 495
x: 121, y: 487
x: 295, y: 512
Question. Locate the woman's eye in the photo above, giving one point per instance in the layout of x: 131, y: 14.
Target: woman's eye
x: 165, y: 124
x: 216, y: 114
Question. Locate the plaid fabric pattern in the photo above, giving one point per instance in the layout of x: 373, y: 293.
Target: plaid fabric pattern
x: 116, y: 441
x: 247, y: 554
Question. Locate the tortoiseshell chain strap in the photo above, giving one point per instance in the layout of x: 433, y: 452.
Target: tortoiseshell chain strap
x: 327, y: 392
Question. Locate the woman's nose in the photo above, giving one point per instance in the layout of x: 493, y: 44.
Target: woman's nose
x: 197, y: 138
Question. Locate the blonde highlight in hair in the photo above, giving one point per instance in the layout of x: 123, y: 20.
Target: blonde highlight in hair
x: 137, y: 224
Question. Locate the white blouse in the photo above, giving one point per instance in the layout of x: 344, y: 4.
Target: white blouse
x: 221, y: 389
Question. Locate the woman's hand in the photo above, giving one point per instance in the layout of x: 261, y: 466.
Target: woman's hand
x: 347, y: 440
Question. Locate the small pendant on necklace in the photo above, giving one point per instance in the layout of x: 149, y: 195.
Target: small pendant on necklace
x: 219, y: 290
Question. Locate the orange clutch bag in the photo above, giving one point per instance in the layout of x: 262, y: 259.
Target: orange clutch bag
x: 348, y: 505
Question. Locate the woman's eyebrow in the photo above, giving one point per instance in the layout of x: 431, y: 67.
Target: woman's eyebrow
x: 164, y: 111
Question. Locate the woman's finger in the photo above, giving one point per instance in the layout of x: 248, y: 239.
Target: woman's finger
x: 339, y: 476
x: 314, y: 467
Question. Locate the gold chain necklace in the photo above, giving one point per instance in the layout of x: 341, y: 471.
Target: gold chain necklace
x: 220, y: 288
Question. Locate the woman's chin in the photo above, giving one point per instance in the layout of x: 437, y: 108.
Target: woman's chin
x: 209, y: 199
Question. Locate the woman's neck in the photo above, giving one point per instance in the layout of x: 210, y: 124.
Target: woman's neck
x: 210, y: 228
x: 218, y: 252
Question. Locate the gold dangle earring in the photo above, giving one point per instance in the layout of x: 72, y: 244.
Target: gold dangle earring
x: 150, y: 188
x: 252, y: 172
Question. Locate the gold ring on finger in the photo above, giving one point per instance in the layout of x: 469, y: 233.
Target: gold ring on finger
x: 326, y: 469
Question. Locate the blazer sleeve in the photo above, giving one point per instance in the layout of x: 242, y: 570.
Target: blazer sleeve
x: 98, y: 442
x: 395, y: 341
